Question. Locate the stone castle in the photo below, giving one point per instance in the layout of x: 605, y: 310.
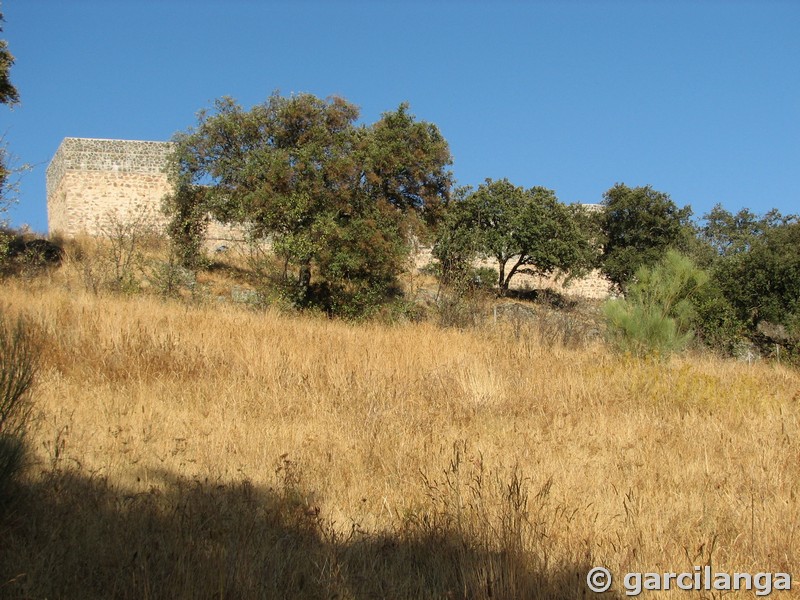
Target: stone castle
x: 94, y: 184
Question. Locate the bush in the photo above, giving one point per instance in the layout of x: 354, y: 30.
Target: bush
x: 23, y: 254
x: 461, y: 310
x: 717, y: 324
x: 17, y: 371
x: 168, y: 277
x: 657, y: 315
x: 6, y: 240
x: 763, y: 283
x: 123, y: 252
x: 643, y: 330
x: 484, y: 278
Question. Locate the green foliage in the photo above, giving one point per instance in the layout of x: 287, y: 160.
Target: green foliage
x: 330, y: 197
x: 17, y: 370
x: 8, y: 93
x: 643, y: 330
x: 456, y: 245
x: 125, y: 239
x: 5, y: 250
x: 639, y: 226
x: 8, y: 172
x: 716, y: 323
x: 460, y: 310
x: 484, y: 277
x: 763, y: 283
x: 729, y: 234
x: 404, y: 164
x: 118, y: 263
x: 657, y: 314
x: 360, y: 261
x: 530, y: 230
x: 188, y: 223
x: 755, y: 280
x: 24, y: 255
x: 757, y: 267
x: 589, y: 220
x: 168, y: 277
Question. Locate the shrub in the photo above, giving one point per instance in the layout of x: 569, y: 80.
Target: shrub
x: 168, y: 277
x: 717, y: 324
x: 461, y: 309
x: 6, y: 240
x: 657, y: 315
x: 484, y: 278
x: 23, y: 254
x: 643, y: 330
x: 123, y: 252
x: 763, y: 283
x: 17, y: 370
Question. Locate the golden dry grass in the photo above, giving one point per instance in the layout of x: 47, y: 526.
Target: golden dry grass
x: 210, y: 451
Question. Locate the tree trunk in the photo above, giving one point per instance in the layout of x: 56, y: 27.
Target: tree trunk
x: 511, y: 273
x: 502, y: 284
x: 304, y: 278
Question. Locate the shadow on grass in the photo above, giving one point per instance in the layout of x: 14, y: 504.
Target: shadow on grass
x: 69, y: 535
x: 544, y: 297
x: 235, y: 272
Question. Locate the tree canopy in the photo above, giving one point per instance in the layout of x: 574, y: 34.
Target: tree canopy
x: 525, y: 230
x: 10, y: 97
x: 639, y: 225
x: 330, y: 195
x: 729, y: 234
x: 763, y: 282
x: 8, y: 93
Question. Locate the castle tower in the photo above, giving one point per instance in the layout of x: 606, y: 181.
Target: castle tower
x: 92, y: 183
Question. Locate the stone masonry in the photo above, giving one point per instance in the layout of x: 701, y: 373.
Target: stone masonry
x: 92, y: 183
x: 95, y: 184
x: 594, y: 286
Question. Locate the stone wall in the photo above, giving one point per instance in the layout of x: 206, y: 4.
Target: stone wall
x: 93, y: 184
x: 593, y: 286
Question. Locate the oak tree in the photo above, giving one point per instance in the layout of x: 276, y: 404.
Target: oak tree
x: 525, y: 230
x: 331, y: 196
x: 639, y: 225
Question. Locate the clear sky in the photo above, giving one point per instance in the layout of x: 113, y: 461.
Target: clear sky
x: 698, y: 99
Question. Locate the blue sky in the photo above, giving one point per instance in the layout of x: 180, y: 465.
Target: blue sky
x: 698, y: 99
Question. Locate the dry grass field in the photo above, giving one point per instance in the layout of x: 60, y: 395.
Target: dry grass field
x: 210, y: 451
